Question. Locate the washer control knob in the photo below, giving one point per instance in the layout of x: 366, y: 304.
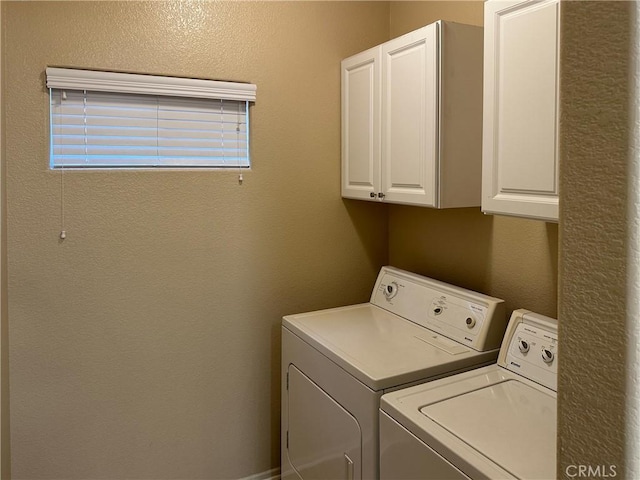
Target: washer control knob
x: 471, y: 322
x: 523, y: 345
x: 547, y: 355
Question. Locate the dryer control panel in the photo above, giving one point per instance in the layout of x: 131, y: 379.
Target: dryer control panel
x: 530, y: 348
x: 470, y: 318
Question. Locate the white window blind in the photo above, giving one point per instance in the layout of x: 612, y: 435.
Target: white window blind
x: 105, y: 119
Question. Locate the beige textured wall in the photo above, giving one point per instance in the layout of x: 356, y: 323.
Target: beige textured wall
x: 632, y: 435
x: 595, y: 141
x: 407, y: 16
x: 5, y: 460
x: 147, y: 344
x: 510, y: 258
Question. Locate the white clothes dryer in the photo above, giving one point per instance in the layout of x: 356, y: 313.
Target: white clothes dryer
x: 337, y: 363
x: 494, y: 422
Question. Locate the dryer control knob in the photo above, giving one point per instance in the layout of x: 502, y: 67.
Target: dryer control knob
x: 523, y: 345
x: 547, y: 356
x: 471, y: 322
x: 391, y: 290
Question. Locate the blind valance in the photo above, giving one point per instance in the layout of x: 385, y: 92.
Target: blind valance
x: 72, y: 79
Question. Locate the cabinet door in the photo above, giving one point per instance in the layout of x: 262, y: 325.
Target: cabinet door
x: 520, y: 151
x: 361, y: 125
x: 409, y: 117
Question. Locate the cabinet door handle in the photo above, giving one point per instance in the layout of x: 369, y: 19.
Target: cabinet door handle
x: 372, y: 195
x: 349, y: 467
x: 380, y: 195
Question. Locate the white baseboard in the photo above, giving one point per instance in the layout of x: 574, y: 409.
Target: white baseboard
x: 273, y: 474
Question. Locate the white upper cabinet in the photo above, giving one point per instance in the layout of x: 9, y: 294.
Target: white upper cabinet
x: 412, y: 119
x: 520, y: 148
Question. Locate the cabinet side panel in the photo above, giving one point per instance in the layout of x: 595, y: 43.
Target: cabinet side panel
x: 461, y: 58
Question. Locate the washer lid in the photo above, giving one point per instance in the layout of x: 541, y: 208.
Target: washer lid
x: 381, y: 349
x: 512, y: 424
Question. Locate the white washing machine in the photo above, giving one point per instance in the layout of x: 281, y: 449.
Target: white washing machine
x: 337, y: 363
x: 497, y: 421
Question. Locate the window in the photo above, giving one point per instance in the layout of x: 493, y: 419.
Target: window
x: 118, y: 120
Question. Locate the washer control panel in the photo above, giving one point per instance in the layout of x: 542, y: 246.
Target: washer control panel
x: 468, y: 317
x: 531, y: 347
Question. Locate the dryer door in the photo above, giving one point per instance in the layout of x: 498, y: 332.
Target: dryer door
x: 324, y: 440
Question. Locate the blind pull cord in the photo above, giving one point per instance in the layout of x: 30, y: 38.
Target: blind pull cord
x: 240, y: 179
x: 84, y: 117
x: 158, y: 130
x: 63, y: 232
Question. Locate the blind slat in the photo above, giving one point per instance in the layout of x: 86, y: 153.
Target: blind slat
x: 128, y: 161
x: 186, y: 143
x: 100, y: 151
